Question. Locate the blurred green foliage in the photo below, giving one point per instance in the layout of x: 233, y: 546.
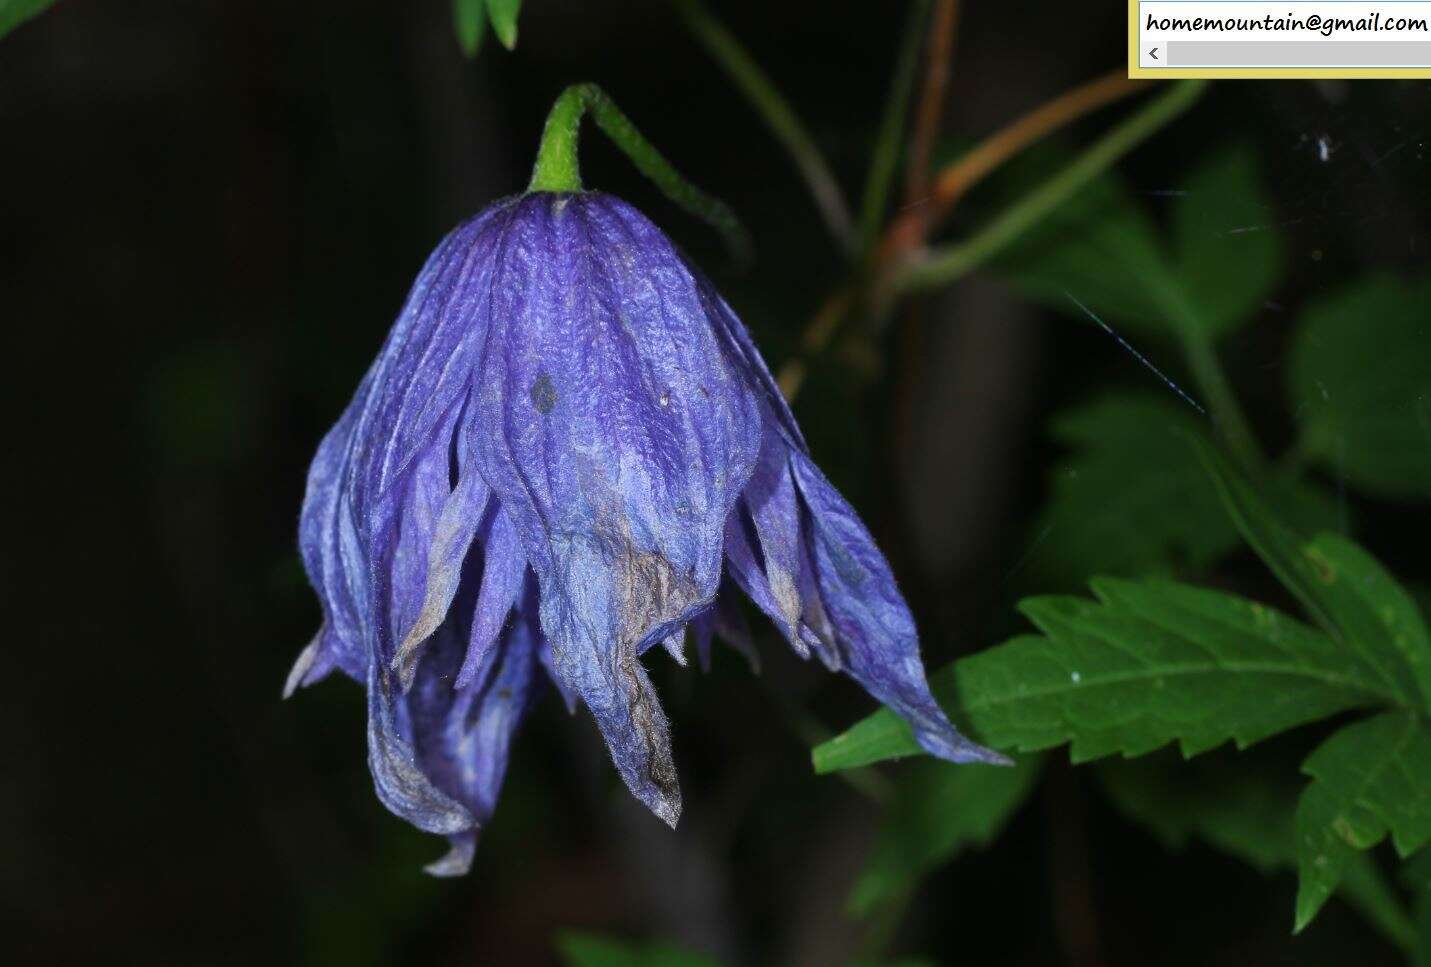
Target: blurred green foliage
x: 591, y: 950
x: 470, y: 19
x: 1144, y: 490
x: 938, y: 810
x: 15, y: 12
x: 1220, y: 261
x: 1359, y: 381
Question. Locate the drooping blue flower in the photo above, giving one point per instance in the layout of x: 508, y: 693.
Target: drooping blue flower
x: 567, y: 446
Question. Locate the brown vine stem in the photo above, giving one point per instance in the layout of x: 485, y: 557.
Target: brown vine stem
x: 928, y: 120
x: 907, y: 232
x: 942, y: 29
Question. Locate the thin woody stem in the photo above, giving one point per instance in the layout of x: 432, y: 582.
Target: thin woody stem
x: 943, y: 266
x: 955, y: 180
x: 909, y: 346
x: 908, y: 231
x: 931, y: 101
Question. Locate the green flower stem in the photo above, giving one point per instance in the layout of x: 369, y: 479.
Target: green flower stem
x: 944, y: 265
x: 886, y: 153
x: 778, y: 115
x: 558, y: 169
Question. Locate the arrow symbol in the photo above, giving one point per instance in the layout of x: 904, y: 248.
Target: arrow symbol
x: 1153, y: 53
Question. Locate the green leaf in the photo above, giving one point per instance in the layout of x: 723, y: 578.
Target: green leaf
x: 503, y: 14
x: 1360, y: 386
x: 590, y: 950
x: 1229, y: 253
x: 1132, y: 497
x: 1098, y: 246
x: 15, y: 12
x: 938, y: 810
x: 1149, y: 663
x: 469, y: 19
x: 1367, y: 604
x: 1370, y: 780
x: 1246, y: 813
x: 1211, y: 276
x: 1342, y: 587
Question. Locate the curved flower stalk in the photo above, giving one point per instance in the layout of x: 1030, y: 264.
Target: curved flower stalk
x: 566, y: 447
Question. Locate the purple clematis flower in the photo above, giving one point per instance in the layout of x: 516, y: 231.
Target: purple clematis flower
x: 566, y: 446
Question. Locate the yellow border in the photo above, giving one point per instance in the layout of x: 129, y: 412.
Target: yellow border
x: 1255, y: 73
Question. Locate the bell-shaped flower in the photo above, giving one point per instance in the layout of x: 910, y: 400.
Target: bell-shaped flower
x: 566, y: 448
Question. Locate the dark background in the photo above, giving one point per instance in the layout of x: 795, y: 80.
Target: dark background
x: 210, y: 213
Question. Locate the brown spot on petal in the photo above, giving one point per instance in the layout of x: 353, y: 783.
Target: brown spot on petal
x: 544, y: 394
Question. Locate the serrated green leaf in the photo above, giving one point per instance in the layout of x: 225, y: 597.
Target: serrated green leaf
x: 469, y: 20
x: 1342, y: 588
x: 1368, y: 604
x: 1132, y: 497
x: 1247, y: 813
x: 503, y: 14
x: 590, y: 950
x: 1149, y: 663
x: 1371, y: 779
x: 1227, y: 244
x: 938, y: 810
x: 1360, y: 385
x: 15, y: 12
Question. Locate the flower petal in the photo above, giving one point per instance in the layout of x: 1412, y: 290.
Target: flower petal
x: 874, y: 631
x: 675, y: 646
x: 449, y: 541
x: 774, y: 508
x: 617, y: 434
x: 425, y: 367
x: 422, y: 521
x: 401, y: 784
x: 321, y: 543
x: 458, y: 859
x: 747, y: 571
x: 724, y: 618
x: 737, y: 339
x: 442, y: 750
x: 463, y: 735
x: 504, y: 568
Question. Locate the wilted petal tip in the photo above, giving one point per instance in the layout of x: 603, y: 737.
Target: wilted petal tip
x: 304, y: 663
